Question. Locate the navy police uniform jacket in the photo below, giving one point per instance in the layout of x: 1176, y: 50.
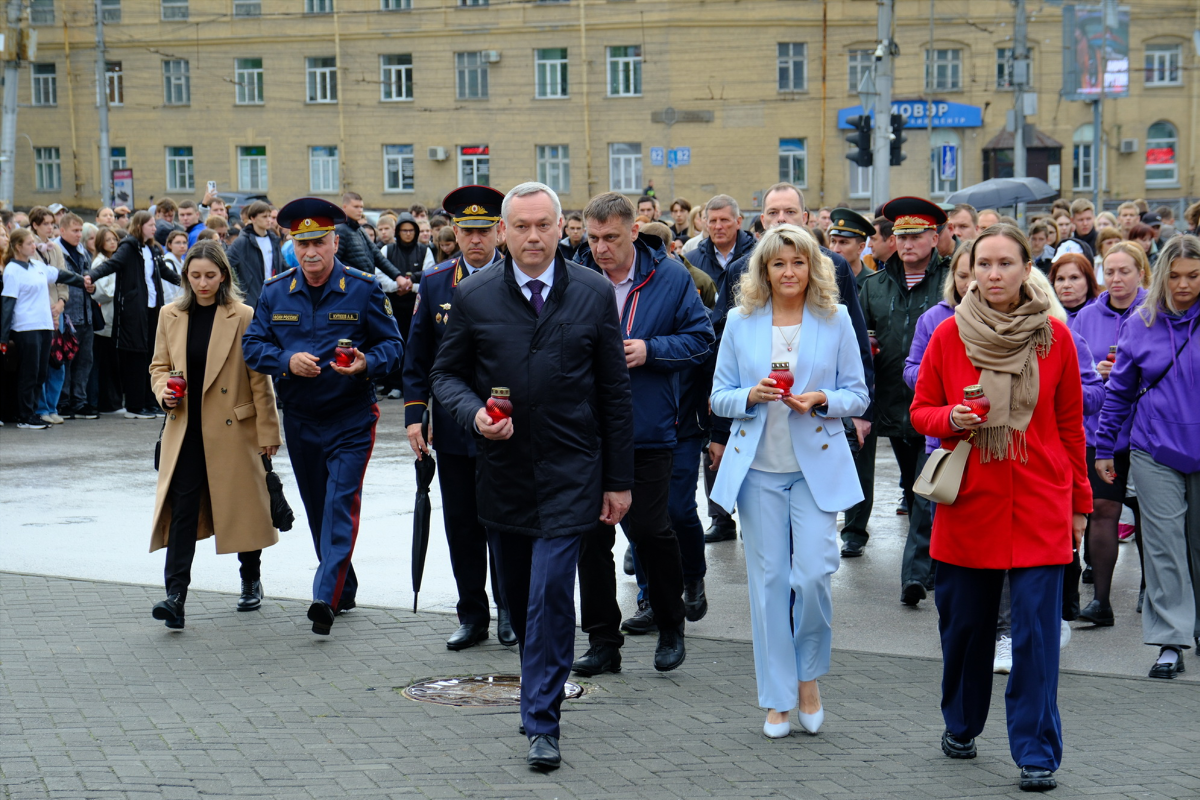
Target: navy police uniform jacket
x: 353, y: 307
x: 431, y: 315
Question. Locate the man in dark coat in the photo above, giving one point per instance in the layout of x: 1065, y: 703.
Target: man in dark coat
x: 354, y: 248
x: 255, y: 255
x: 547, y: 330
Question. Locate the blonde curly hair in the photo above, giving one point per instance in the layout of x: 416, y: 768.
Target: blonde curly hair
x: 754, y: 289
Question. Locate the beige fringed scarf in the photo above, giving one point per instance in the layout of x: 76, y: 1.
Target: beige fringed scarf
x: 1002, y: 345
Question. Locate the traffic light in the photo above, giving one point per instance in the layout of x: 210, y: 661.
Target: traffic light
x: 898, y: 138
x: 861, y: 139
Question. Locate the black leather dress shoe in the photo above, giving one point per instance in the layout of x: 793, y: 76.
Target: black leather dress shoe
x: 642, y: 622
x: 913, y: 593
x: 467, y: 636
x: 627, y: 562
x: 670, y: 651
x: 544, y: 752
x: 504, y: 629
x: 599, y: 658
x: 1036, y: 779
x: 344, y: 605
x: 321, y: 614
x: 170, y: 611
x: 1159, y: 670
x: 1086, y: 576
x: 1100, y: 615
x: 695, y: 601
x: 852, y: 549
x: 721, y: 532
x: 252, y: 596
x: 956, y: 749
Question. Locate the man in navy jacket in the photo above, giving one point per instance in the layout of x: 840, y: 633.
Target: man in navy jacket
x: 666, y: 330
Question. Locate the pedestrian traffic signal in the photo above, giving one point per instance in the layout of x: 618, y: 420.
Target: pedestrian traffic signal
x: 898, y: 138
x: 861, y: 139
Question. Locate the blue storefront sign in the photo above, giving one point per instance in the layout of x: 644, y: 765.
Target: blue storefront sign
x: 945, y: 114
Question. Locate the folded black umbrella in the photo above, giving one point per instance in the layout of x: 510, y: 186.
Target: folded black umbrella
x: 281, y: 513
x: 425, y: 467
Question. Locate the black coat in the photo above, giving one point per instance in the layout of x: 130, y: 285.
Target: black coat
x: 572, y: 406
x: 131, y: 317
x: 356, y: 250
x: 246, y: 261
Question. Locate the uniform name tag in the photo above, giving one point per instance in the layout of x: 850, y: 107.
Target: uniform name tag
x: 285, y: 318
x: 343, y: 316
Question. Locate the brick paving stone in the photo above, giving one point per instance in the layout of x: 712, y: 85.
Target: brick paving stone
x: 97, y: 700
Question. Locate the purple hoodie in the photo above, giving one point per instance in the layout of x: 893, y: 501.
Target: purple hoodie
x: 1166, y: 420
x: 1098, y: 325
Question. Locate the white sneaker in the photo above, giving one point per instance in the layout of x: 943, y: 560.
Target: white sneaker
x: 1064, y: 635
x: 394, y: 394
x: 1003, y: 662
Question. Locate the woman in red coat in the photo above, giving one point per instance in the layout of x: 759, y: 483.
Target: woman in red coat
x: 1022, y: 505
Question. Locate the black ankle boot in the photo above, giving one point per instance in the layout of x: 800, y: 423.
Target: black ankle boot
x: 252, y: 596
x: 170, y: 611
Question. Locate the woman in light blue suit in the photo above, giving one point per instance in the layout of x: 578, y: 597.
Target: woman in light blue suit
x: 788, y: 466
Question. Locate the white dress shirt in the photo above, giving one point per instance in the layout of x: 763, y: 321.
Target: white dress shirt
x: 546, y: 277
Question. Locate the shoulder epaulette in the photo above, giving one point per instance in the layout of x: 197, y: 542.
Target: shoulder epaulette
x: 279, y: 276
x: 439, y: 268
x: 358, y: 273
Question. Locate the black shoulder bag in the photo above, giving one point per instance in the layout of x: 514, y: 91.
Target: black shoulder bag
x: 1158, y: 380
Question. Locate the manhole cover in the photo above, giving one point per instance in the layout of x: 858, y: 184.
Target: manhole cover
x: 481, y: 690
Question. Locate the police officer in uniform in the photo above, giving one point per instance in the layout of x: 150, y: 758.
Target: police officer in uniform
x: 476, y: 212
x: 848, y: 233
x: 329, y: 411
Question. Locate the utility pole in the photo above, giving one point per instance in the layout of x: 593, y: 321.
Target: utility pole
x: 1108, y: 13
x: 8, y: 126
x: 881, y: 190
x: 1020, y: 79
x: 102, y: 86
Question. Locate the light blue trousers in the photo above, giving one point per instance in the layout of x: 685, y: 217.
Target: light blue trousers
x: 791, y: 546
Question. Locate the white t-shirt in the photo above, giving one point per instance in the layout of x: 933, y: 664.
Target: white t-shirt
x: 30, y: 287
x: 151, y: 292
x: 775, y: 452
x: 268, y: 253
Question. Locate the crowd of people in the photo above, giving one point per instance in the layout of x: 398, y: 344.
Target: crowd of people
x: 767, y: 355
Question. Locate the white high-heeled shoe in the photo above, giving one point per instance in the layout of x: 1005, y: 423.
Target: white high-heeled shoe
x: 776, y: 730
x: 812, y: 722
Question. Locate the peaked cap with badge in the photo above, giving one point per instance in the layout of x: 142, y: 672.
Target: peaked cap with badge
x: 850, y: 223
x: 310, y: 218
x: 474, y: 206
x: 913, y: 215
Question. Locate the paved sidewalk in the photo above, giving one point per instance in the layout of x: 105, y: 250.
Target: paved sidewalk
x: 97, y: 700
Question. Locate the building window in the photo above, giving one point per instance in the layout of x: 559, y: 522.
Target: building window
x: 177, y: 83
x: 1162, y: 64
x: 117, y: 158
x: 49, y: 169
x: 554, y: 166
x: 944, y: 181
x: 793, y: 162
x: 398, y: 166
x: 792, y: 58
x: 861, y: 62
x: 943, y: 70
x: 469, y: 3
x: 1162, y: 142
x: 252, y: 169
x: 248, y: 77
x: 395, y: 5
x: 181, y: 171
x: 551, y: 66
x: 472, y: 76
x: 247, y: 8
x: 323, y: 170
x: 1004, y: 68
x: 318, y: 6
x: 625, y: 167
x: 396, y: 77
x: 45, y: 84
x: 41, y: 12
x: 322, y: 80
x: 474, y: 165
x: 625, y: 71
x: 860, y: 181
x: 110, y: 11
x: 114, y: 83
x: 1083, y: 168
x: 175, y: 10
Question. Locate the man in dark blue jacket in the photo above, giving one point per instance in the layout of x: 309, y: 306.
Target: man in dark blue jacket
x: 666, y: 330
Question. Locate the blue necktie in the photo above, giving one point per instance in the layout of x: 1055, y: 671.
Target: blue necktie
x: 535, y: 292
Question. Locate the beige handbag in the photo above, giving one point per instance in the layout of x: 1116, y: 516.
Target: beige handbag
x: 942, y: 476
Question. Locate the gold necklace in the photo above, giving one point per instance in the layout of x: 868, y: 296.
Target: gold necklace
x: 786, y: 340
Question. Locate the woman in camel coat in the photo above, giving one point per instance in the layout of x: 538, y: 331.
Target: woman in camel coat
x: 211, y: 479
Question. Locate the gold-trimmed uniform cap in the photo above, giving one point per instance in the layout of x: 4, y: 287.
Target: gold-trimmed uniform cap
x: 310, y: 218
x: 850, y: 223
x: 913, y: 215
x: 474, y: 206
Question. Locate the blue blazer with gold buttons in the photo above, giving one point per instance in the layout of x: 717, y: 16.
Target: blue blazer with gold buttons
x: 827, y: 360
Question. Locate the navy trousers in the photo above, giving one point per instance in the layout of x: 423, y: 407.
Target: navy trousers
x: 968, y: 601
x: 537, y: 578
x: 329, y: 458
